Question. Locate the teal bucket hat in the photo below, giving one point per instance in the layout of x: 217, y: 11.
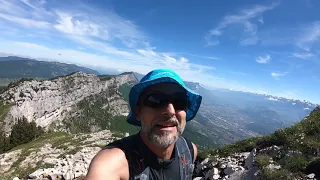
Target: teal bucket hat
x: 162, y: 76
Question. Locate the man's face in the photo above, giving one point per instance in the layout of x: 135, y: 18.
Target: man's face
x: 162, y: 113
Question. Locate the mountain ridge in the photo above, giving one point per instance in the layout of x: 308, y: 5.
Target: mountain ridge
x: 16, y: 67
x: 57, y: 99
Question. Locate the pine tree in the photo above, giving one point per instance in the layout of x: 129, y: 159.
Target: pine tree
x: 2, y: 142
x: 22, y: 132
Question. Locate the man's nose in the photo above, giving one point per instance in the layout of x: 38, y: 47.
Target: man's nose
x: 169, y: 110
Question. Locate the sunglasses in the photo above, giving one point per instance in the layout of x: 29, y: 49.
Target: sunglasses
x: 159, y: 100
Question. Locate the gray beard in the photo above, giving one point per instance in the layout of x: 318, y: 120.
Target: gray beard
x: 166, y: 138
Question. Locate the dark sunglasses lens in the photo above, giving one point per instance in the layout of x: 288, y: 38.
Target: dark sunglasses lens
x: 158, y: 100
x: 155, y: 100
x: 180, y: 102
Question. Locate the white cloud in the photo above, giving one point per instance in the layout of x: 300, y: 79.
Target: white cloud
x: 304, y: 36
x: 75, y: 22
x: 210, y: 41
x: 310, y: 34
x: 184, y: 60
x: 142, y: 61
x: 8, y: 7
x: 243, y: 17
x: 261, y: 20
x: 303, y: 55
x: 30, y: 23
x: 278, y: 75
x: 263, y: 59
x: 250, y: 40
x: 96, y: 31
x: 201, y: 56
x: 72, y: 26
x: 238, y: 73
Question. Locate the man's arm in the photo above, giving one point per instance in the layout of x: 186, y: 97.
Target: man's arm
x: 109, y: 164
x: 195, y: 152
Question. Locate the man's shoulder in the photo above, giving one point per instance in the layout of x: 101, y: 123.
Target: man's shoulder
x: 123, y: 143
x: 107, y: 163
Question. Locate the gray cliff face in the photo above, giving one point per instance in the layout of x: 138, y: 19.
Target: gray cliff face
x: 54, y: 101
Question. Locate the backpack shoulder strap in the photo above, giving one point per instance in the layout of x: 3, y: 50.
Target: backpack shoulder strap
x: 190, y: 148
x: 185, y: 158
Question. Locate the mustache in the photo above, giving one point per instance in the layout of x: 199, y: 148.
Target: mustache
x: 172, y: 119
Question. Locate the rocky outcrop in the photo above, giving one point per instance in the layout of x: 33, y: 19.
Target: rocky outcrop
x: 67, y: 156
x: 7, y: 160
x: 231, y: 167
x: 69, y: 167
x: 53, y: 101
x: 239, y: 166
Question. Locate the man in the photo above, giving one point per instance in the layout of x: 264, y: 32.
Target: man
x: 161, y: 104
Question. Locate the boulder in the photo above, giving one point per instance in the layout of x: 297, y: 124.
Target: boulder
x: 313, y: 167
x: 214, y: 177
x: 198, y: 178
x: 237, y: 175
x: 311, y: 176
x: 36, y: 174
x: 215, y: 171
x: 228, y: 170
x: 272, y: 166
x: 249, y: 160
x: 209, y: 174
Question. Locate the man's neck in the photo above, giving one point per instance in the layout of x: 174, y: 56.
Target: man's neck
x: 160, y: 152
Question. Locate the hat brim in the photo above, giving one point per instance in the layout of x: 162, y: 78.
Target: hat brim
x: 193, y: 99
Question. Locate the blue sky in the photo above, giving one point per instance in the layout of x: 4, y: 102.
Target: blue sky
x: 255, y: 46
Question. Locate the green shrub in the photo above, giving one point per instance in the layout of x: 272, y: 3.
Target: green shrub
x: 263, y: 160
x: 240, y: 146
x: 294, y: 163
x: 281, y: 174
x: 105, y: 77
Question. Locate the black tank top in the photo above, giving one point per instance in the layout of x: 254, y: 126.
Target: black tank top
x: 143, y: 159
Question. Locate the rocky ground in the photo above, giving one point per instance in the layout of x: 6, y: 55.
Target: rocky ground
x: 58, y: 155
x: 63, y: 156
x: 238, y: 166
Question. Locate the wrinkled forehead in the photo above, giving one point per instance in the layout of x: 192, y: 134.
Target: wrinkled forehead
x: 168, y: 88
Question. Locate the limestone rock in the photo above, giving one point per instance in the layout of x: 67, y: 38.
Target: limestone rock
x: 215, y: 171
x: 54, y: 101
x: 249, y: 160
x: 7, y: 159
x: 228, y: 170
x: 311, y: 176
x: 273, y: 166
x: 216, y: 176
x: 198, y: 178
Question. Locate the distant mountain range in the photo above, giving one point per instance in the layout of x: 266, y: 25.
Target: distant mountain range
x: 259, y: 113
x: 12, y: 67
